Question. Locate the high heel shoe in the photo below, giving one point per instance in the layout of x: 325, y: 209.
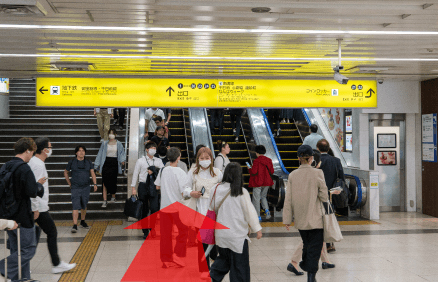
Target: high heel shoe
x: 291, y: 268
x: 326, y: 265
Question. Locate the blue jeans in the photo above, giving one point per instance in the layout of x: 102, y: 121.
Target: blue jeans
x: 28, y: 249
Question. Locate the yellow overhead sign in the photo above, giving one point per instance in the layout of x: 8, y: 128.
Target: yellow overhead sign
x: 210, y: 93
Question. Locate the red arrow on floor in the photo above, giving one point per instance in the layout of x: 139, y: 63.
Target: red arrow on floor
x: 167, y: 256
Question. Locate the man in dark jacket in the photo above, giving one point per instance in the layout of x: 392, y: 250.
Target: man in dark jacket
x: 332, y: 168
x: 25, y: 187
x: 260, y: 180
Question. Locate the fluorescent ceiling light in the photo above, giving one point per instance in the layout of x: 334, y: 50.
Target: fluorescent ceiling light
x: 219, y: 58
x: 218, y: 30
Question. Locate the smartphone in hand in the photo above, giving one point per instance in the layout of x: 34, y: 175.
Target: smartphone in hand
x: 248, y: 165
x: 203, y: 190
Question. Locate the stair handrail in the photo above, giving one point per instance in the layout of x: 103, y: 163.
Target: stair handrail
x: 185, y: 135
x: 280, y: 161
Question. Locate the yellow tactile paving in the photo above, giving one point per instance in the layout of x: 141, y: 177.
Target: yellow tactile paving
x: 84, y: 256
x: 354, y: 222
x: 70, y: 223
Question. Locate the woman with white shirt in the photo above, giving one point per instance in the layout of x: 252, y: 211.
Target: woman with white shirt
x: 202, y: 175
x: 221, y: 161
x: 109, y: 162
x: 237, y: 213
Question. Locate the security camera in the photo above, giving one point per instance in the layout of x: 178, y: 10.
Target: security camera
x: 380, y: 81
x: 340, y: 78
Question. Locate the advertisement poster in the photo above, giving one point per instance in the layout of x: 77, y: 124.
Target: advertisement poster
x: 429, y: 137
x: 348, y: 124
x: 348, y: 142
x: 4, y: 85
x: 334, y: 118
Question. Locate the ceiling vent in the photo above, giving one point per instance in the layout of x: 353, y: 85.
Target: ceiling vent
x: 22, y: 8
x: 370, y: 69
x: 73, y: 66
x: 261, y: 10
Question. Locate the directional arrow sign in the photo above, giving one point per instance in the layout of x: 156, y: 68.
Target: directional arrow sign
x: 42, y: 90
x: 170, y: 89
x: 371, y: 92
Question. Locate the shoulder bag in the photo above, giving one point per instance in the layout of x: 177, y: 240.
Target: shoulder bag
x: 207, y: 235
x: 332, y: 232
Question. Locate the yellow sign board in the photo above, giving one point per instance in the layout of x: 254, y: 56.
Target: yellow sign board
x: 210, y: 93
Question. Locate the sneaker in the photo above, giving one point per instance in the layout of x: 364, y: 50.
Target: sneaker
x: 113, y: 200
x: 62, y: 267
x: 268, y: 214
x: 101, y: 140
x: 234, y: 130
x: 74, y: 229
x: 84, y: 224
x: 236, y: 140
x: 278, y: 132
x: 105, y: 203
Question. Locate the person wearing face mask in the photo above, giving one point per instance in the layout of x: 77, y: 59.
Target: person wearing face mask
x: 203, y: 175
x: 221, y: 161
x: 40, y: 206
x: 145, y: 172
x: 25, y: 187
x: 109, y: 161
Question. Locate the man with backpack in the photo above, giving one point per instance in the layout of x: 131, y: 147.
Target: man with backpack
x: 17, y: 186
x: 40, y: 206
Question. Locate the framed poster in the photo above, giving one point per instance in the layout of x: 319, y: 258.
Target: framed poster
x: 4, y: 85
x: 386, y: 157
x: 387, y: 140
x: 349, y: 142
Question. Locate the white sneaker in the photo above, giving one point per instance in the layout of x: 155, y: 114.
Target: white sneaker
x: 101, y: 140
x: 113, y: 200
x: 104, y: 204
x: 62, y: 267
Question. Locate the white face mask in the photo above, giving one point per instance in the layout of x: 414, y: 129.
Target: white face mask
x: 152, y: 152
x: 49, y: 153
x: 111, y: 136
x: 205, y: 163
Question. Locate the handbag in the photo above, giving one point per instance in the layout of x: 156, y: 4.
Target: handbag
x: 207, y: 235
x: 133, y: 207
x: 332, y: 232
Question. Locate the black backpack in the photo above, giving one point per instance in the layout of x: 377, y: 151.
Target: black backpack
x: 8, y: 204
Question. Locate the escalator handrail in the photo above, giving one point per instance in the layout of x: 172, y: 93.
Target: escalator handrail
x: 306, y: 117
x: 210, y: 139
x: 273, y: 142
x: 359, y: 191
x: 185, y: 135
x: 244, y: 138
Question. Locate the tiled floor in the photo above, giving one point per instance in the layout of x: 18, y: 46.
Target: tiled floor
x: 403, y: 247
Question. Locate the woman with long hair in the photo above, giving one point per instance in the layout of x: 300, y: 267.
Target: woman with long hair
x: 202, y: 177
x: 240, y: 216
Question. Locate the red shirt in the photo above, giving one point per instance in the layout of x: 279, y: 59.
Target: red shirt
x: 260, y: 172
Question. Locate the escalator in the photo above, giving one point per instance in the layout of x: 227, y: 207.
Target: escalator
x: 177, y: 130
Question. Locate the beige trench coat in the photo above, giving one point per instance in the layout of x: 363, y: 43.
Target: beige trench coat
x: 306, y: 189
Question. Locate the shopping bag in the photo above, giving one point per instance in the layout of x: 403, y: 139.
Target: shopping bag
x: 332, y: 232
x: 133, y: 208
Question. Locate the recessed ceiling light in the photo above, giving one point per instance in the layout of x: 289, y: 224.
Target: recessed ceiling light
x: 261, y: 10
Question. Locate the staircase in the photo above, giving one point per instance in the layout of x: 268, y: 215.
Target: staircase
x: 66, y: 128
x: 239, y: 151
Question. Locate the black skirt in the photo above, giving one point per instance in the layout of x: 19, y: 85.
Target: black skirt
x: 109, y: 174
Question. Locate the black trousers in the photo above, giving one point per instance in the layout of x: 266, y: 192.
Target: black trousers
x: 216, y: 120
x: 235, y: 263
x: 48, y: 226
x: 313, y: 241
x: 236, y: 117
x: 151, y: 204
x: 274, y: 117
x: 167, y: 221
